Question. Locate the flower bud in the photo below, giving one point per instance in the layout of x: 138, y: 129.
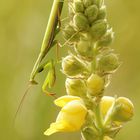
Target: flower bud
x: 88, y: 133
x: 87, y: 3
x: 68, y: 33
x: 99, y: 3
x: 71, y: 66
x: 78, y: 6
x: 108, y: 63
x: 124, y: 110
x: 98, y: 29
x: 105, y: 104
x: 84, y: 48
x: 102, y: 13
x: 91, y: 12
x: 76, y: 87
x: 95, y: 84
x: 80, y: 22
x: 106, y: 40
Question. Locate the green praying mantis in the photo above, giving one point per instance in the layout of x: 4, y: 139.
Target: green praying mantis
x: 53, y: 28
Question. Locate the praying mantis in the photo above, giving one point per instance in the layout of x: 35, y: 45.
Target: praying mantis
x: 49, y: 41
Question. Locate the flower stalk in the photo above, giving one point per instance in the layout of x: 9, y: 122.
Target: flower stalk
x: 88, y: 68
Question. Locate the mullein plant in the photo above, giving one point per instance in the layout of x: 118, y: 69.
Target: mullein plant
x: 88, y: 67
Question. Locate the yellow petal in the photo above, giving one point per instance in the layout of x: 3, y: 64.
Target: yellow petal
x: 74, y: 114
x: 61, y: 126
x: 62, y: 101
x: 106, y: 103
x: 74, y: 107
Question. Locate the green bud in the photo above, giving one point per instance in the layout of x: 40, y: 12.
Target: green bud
x: 91, y: 12
x: 89, y: 133
x: 78, y: 6
x: 99, y: 3
x: 124, y: 110
x: 102, y: 13
x: 87, y: 3
x: 69, y: 32
x: 106, y: 40
x: 108, y: 63
x: 80, y: 22
x: 84, y: 48
x: 71, y: 66
x: 95, y: 84
x: 98, y: 29
x: 76, y: 87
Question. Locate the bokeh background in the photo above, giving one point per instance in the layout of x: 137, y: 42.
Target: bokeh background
x: 22, y: 26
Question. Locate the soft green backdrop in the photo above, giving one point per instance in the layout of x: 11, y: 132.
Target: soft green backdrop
x: 22, y: 26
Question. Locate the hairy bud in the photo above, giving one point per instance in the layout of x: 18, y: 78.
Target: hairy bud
x: 91, y: 12
x: 80, y: 22
x: 106, y: 40
x: 78, y: 6
x: 98, y: 29
x: 95, y: 84
x: 102, y: 13
x: 87, y: 3
x: 99, y: 3
x: 76, y: 87
x: 71, y: 66
x: 70, y: 34
x: 108, y: 63
x: 84, y: 48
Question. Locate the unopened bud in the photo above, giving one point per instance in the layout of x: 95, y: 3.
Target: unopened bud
x: 95, y: 84
x: 124, y: 110
x: 98, y: 29
x: 78, y: 6
x: 106, y: 40
x: 80, y: 22
x: 89, y: 133
x: 71, y: 66
x: 99, y: 3
x: 87, y: 3
x: 84, y: 48
x: 76, y: 87
x: 91, y: 12
x: 102, y: 13
x: 70, y: 34
x: 108, y: 63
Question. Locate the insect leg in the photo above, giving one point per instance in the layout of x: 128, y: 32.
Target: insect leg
x: 50, y: 78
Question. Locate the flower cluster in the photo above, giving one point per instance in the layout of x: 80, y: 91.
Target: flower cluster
x: 88, y: 68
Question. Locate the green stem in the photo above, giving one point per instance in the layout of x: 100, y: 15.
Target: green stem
x: 99, y: 121
x: 98, y: 117
x: 49, y: 35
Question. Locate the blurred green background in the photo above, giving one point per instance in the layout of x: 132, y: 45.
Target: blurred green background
x: 22, y: 26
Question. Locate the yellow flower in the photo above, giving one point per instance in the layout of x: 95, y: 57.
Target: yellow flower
x: 71, y: 117
x: 123, y: 109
